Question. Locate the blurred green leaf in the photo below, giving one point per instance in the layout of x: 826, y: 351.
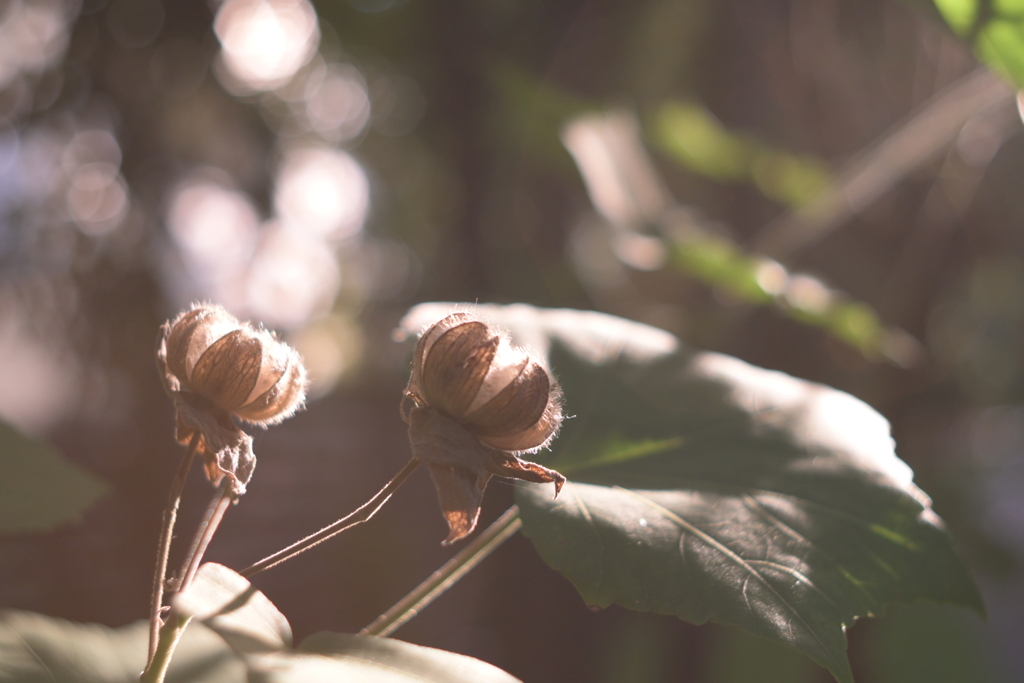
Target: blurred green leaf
x: 735, y: 656
x: 707, y: 488
x: 926, y: 643
x: 39, y: 488
x: 229, y: 605
x: 699, y: 141
x: 36, y: 648
x: 253, y: 627
x: 722, y: 264
x: 718, y: 261
x: 994, y: 27
x: 350, y: 657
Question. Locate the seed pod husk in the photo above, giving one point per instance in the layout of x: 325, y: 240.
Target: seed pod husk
x: 213, y: 367
x: 240, y: 369
x: 470, y: 371
x: 473, y: 403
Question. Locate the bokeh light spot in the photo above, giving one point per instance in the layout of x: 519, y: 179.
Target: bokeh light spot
x: 292, y: 278
x: 266, y: 41
x: 324, y: 191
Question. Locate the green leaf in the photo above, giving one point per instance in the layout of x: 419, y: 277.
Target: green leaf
x: 254, y: 628
x: 994, y: 27
x: 36, y: 648
x: 228, y: 604
x: 699, y: 142
x: 347, y: 657
x: 39, y: 488
x: 928, y: 643
x: 704, y: 487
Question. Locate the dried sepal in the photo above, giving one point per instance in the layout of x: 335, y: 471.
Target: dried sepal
x: 226, y: 450
x: 461, y: 467
x: 474, y: 401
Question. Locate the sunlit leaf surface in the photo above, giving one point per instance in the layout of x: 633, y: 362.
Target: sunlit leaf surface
x: 347, y: 657
x: 257, y: 632
x: 39, y: 488
x: 707, y: 488
x: 242, y: 615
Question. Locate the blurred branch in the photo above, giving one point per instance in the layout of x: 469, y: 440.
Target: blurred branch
x: 647, y: 230
x: 912, y: 144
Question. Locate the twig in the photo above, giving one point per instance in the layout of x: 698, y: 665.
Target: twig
x: 164, y: 544
x: 444, y: 578
x: 362, y: 514
x: 926, y: 133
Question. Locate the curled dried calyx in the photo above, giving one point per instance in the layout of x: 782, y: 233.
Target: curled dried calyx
x: 473, y: 403
x: 215, y: 366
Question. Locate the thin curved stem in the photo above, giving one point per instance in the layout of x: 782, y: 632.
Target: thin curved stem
x: 444, y: 578
x: 204, y: 534
x: 170, y: 632
x: 164, y: 544
x: 362, y: 514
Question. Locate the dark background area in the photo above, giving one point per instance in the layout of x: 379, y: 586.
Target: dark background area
x: 141, y: 169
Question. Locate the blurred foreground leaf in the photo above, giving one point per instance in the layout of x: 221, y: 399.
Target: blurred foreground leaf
x: 348, y: 657
x: 255, y: 629
x: 39, y: 488
x: 35, y: 648
x: 707, y: 488
x: 253, y: 645
x: 994, y: 29
x: 229, y: 605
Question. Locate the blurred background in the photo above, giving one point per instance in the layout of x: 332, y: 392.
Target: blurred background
x: 825, y: 187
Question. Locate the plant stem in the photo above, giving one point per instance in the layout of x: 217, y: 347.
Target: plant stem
x: 444, y: 578
x: 204, y: 534
x: 362, y: 514
x: 164, y: 544
x: 170, y: 632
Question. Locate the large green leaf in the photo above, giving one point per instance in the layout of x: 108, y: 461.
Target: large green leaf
x: 227, y: 603
x: 995, y: 29
x: 39, y: 649
x: 39, y: 488
x: 707, y: 488
x: 241, y: 636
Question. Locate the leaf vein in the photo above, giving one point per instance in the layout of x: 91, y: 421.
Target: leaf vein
x: 737, y: 559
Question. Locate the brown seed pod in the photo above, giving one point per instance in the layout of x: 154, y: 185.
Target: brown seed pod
x: 238, y: 368
x: 470, y: 371
x: 473, y: 403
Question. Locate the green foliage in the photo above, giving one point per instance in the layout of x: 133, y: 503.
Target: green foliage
x: 254, y: 645
x: 722, y: 264
x: 994, y: 27
x: 699, y: 141
x: 260, y: 634
x: 703, y: 487
x: 927, y: 643
x: 39, y: 488
x: 39, y: 649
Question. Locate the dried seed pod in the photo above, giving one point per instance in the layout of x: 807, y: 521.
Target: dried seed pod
x: 238, y: 368
x: 477, y: 401
x: 470, y: 371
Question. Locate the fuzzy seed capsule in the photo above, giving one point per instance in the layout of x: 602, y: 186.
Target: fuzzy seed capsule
x: 240, y: 369
x: 470, y: 371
